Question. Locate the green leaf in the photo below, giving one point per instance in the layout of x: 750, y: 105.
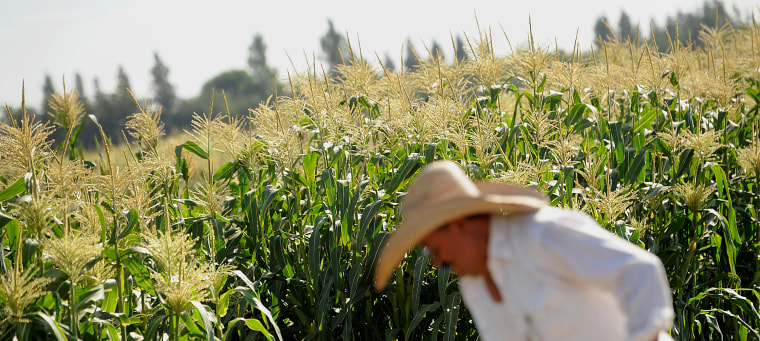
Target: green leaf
x: 254, y: 324
x: 125, y: 320
x: 110, y: 331
x: 638, y: 164
x: 13, y: 190
x: 29, y: 248
x: 226, y: 171
x: 374, y: 254
x: 89, y: 297
x: 443, y: 279
x: 712, y: 321
x: 111, y: 298
x: 420, y: 267
x: 430, y: 152
x: 310, y: 168
x: 101, y: 218
x: 540, y: 88
x: 645, y: 121
x: 329, y: 184
x: 251, y: 296
x: 110, y: 252
x: 451, y: 313
x: 75, y: 136
x: 155, y: 323
x: 191, y: 325
x: 583, y: 125
x: 5, y: 219
x: 323, y: 305
x: 51, y: 325
x: 419, y: 315
x: 403, y: 174
x: 207, y: 318
x: 195, y: 149
x: 575, y: 114
x: 720, y: 180
x: 654, y: 189
x: 369, y: 213
x: 271, y: 193
x: 315, y: 250
x: 133, y: 219
x: 616, y: 133
x: 684, y: 162
x: 140, y: 274
x: 224, y: 303
x: 276, y: 250
x: 730, y: 235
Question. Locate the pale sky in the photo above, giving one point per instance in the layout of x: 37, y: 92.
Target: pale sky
x: 199, y: 39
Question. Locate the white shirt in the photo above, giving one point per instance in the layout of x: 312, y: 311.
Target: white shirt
x: 562, y: 277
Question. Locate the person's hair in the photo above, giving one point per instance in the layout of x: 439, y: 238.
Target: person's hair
x: 479, y: 216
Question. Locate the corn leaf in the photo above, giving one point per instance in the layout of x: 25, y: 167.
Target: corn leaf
x: 13, y: 190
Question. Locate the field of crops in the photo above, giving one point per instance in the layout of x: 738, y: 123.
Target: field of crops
x: 268, y: 226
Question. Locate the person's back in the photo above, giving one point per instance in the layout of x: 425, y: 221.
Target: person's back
x: 537, y: 261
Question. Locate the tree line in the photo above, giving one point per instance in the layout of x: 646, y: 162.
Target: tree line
x: 243, y: 88
x: 683, y: 27
x: 246, y: 88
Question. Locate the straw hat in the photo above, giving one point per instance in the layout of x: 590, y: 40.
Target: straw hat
x: 442, y: 193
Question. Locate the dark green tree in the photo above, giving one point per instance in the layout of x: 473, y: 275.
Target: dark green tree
x: 410, y: 57
x: 602, y: 31
x: 685, y: 27
x: 101, y: 99
x: 163, y: 90
x: 112, y: 110
x: 234, y: 83
x: 263, y: 75
x: 237, y: 85
x: 626, y: 31
x: 122, y: 81
x: 89, y: 129
x: 48, y: 89
x: 79, y: 86
x: 102, y: 106
x: 436, y: 52
x: 102, y: 102
x: 333, y: 47
x: 389, y: 64
x: 460, y: 53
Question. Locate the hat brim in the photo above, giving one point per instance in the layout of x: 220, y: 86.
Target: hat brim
x: 495, y: 197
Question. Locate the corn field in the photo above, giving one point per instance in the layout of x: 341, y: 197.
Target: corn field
x: 268, y: 226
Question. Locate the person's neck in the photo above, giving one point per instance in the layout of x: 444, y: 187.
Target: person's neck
x: 478, y: 228
x: 492, y: 288
x: 483, y: 228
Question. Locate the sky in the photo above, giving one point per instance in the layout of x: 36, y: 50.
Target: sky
x: 199, y: 39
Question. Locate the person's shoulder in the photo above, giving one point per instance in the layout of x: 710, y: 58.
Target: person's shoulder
x: 568, y: 224
x: 575, y: 226
x: 564, y: 216
x: 551, y: 221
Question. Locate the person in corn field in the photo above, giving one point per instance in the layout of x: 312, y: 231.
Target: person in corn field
x: 535, y: 273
